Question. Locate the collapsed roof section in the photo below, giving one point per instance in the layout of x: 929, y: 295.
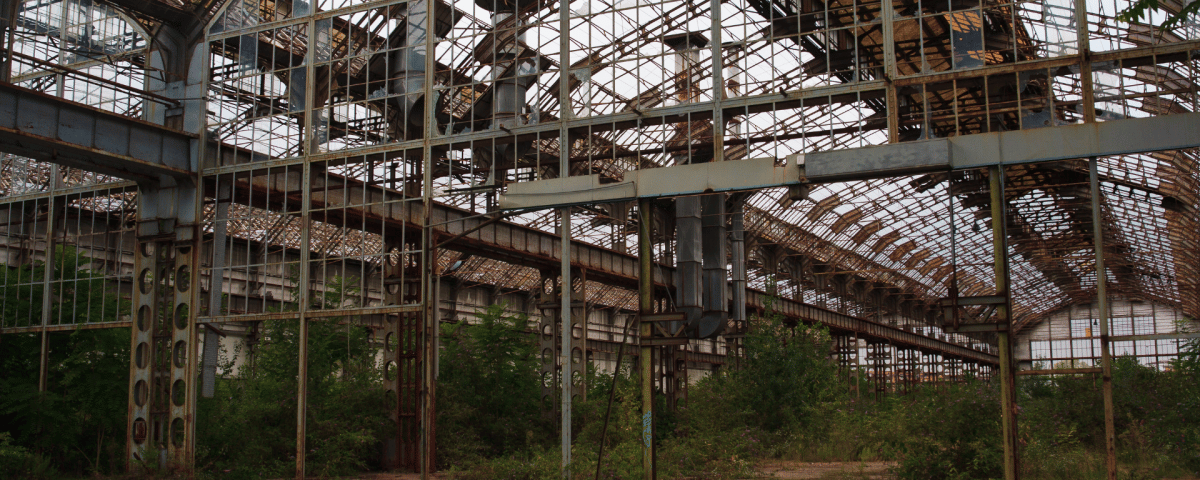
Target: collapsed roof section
x: 793, y: 77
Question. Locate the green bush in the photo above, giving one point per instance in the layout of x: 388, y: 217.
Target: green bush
x: 783, y: 384
x: 15, y: 460
x: 489, y: 390
x: 249, y: 427
x: 77, y: 426
x: 1155, y: 414
x: 953, y: 433
x: 734, y: 417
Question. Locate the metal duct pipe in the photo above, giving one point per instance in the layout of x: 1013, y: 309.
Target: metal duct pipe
x: 512, y: 76
x: 716, y: 302
x: 515, y: 76
x: 737, y: 240
x: 689, y: 240
x: 406, y: 62
x: 737, y: 228
x: 688, y: 258
x: 700, y: 221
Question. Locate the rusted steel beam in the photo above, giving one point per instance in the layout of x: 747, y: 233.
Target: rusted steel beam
x: 517, y: 244
x: 1110, y: 436
x: 866, y: 329
x: 65, y: 328
x: 849, y: 93
x: 55, y: 130
x: 1008, y: 398
x: 1060, y: 371
x: 646, y: 307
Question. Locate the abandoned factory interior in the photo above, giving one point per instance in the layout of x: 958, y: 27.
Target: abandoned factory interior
x: 547, y: 239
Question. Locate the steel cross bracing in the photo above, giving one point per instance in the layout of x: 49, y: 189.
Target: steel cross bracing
x: 1058, y: 64
x: 310, y: 108
x: 528, y: 247
x: 595, y: 261
x: 532, y: 248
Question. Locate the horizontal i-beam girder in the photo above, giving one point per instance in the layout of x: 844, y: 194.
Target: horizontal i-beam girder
x: 52, y: 129
x: 506, y: 241
x: 1166, y: 132
x: 1135, y: 135
x: 353, y: 202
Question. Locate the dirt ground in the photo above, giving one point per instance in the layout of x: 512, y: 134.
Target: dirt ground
x: 772, y: 470
x: 826, y: 470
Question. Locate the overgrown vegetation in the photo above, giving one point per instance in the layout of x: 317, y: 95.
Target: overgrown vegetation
x: 786, y: 401
x: 489, y: 390
x: 249, y: 429
x: 76, y: 426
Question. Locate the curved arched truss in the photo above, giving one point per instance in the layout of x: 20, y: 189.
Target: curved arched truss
x: 795, y: 77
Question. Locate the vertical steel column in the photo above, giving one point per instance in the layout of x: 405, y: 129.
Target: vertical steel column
x: 428, y: 300
x: 220, y: 223
x: 681, y: 376
x: 305, y: 291
x: 154, y: 399
x: 841, y: 352
x: 889, y: 71
x: 875, y: 360
x: 183, y: 359
x: 666, y: 374
x: 646, y: 307
x: 11, y: 9
x: 567, y: 332
x: 308, y: 139
x: 858, y: 370
x: 548, y: 332
x: 402, y: 363
x: 737, y: 243
x: 1087, y: 95
x: 889, y: 362
x: 579, y: 324
x: 906, y: 370
x: 1008, y: 399
x: 428, y: 350
x: 48, y: 282
x: 928, y: 368
x: 718, y: 92
x: 1110, y: 442
x: 408, y: 386
x: 145, y: 311
x: 391, y: 352
x: 564, y: 167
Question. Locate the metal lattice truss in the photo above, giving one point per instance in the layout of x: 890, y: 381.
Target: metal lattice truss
x: 643, y: 92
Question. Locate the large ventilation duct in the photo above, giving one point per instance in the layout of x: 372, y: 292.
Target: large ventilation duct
x: 716, y: 293
x: 737, y: 242
x: 737, y: 206
x: 513, y: 72
x: 699, y: 220
x: 406, y: 63
x: 689, y: 257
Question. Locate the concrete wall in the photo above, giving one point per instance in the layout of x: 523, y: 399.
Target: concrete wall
x: 459, y: 303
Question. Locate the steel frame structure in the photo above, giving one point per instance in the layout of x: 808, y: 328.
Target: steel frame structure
x: 204, y: 157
